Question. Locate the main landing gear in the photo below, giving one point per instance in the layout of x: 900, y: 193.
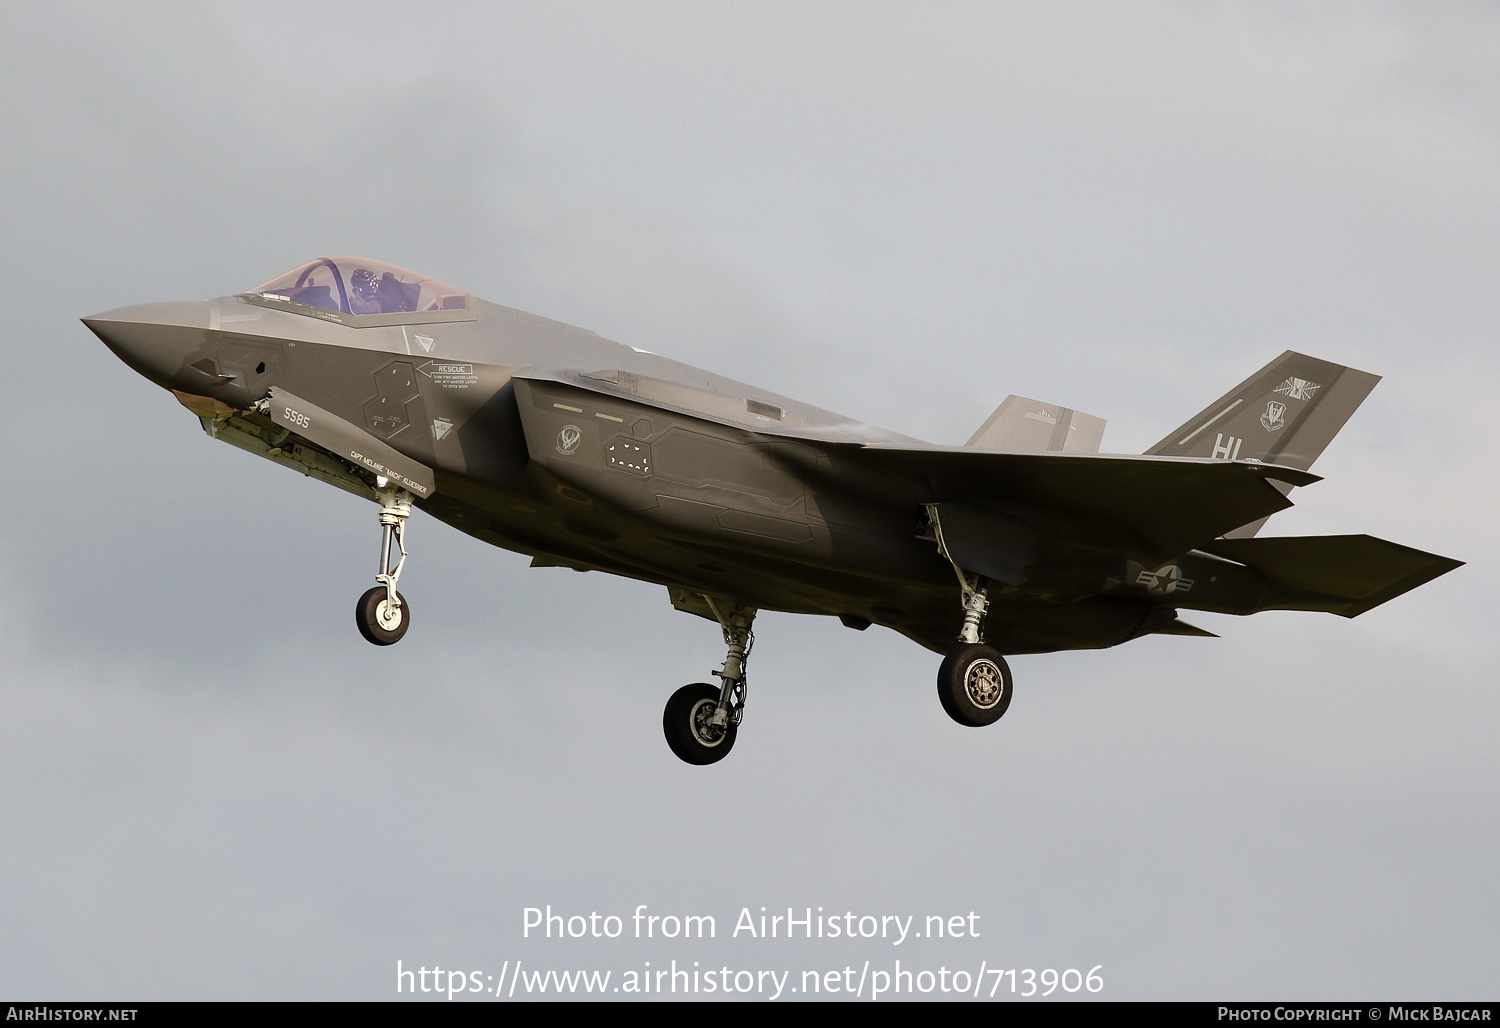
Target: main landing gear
x: 382, y: 614
x: 974, y: 682
x: 701, y: 720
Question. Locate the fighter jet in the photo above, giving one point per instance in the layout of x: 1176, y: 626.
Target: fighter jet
x: 549, y: 440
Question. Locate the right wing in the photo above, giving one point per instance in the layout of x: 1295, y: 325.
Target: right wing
x: 1151, y: 507
x: 1162, y: 506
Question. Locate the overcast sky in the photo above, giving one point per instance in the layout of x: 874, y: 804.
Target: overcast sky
x: 211, y: 787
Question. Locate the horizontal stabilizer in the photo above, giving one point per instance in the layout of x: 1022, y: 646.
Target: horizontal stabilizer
x: 1030, y: 426
x: 1352, y: 573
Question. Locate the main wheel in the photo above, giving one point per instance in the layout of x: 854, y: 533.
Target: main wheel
x: 688, y: 732
x: 974, y: 685
x: 377, y: 621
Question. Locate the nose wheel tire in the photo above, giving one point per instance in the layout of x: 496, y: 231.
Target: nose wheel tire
x: 377, y: 621
x: 686, y: 724
x: 974, y: 685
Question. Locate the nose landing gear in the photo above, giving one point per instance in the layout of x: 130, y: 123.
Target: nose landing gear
x: 701, y: 721
x: 382, y: 613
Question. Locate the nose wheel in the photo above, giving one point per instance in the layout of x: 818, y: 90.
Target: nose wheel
x: 701, y: 720
x: 382, y: 613
x: 379, y: 621
x: 689, y: 725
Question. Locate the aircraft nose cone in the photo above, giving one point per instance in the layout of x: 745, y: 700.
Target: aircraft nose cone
x: 153, y: 338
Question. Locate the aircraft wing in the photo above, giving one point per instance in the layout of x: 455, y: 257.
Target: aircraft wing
x: 1156, y: 507
x: 1168, y: 505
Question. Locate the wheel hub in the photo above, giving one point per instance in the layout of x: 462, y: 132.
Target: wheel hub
x: 704, y: 730
x: 984, y: 684
x: 388, y: 616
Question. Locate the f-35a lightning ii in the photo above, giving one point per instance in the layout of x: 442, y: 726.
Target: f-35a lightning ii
x: 584, y: 453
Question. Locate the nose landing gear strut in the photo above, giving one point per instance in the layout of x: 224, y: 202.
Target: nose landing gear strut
x: 701, y: 720
x: 382, y: 613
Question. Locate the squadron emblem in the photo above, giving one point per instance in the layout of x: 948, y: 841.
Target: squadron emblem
x: 1274, y: 417
x: 568, y: 440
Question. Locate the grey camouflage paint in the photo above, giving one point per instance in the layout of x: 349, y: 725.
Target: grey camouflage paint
x: 552, y: 441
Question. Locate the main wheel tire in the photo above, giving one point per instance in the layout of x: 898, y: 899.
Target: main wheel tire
x: 974, y: 685
x: 377, y: 622
x: 685, y: 722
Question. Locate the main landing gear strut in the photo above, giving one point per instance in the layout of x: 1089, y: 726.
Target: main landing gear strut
x: 382, y: 613
x: 701, y: 720
x: 974, y: 682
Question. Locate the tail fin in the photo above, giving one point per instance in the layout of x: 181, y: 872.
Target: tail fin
x: 1020, y: 425
x: 1286, y: 413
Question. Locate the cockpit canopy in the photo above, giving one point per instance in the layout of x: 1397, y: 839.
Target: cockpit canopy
x: 361, y: 288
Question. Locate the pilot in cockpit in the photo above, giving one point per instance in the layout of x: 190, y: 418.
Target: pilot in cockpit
x: 358, y: 286
x: 384, y: 295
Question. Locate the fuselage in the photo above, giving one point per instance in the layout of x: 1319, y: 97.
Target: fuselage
x: 716, y: 504
x: 552, y: 441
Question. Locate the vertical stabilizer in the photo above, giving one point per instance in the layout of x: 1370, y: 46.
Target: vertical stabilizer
x: 1286, y: 413
x: 1020, y: 425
